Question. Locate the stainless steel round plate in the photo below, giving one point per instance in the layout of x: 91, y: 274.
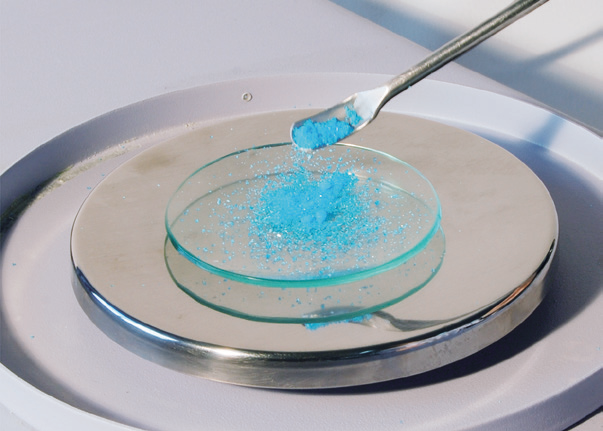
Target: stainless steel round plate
x: 501, y: 233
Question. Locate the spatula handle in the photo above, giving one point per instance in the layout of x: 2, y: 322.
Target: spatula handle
x: 461, y: 44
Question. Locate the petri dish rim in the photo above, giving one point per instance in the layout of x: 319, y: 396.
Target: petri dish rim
x: 315, y: 282
x: 351, y: 313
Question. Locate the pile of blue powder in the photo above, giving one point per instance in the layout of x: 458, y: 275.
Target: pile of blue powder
x: 312, y: 135
x: 324, y: 219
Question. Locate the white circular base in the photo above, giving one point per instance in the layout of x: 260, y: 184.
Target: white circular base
x: 546, y: 373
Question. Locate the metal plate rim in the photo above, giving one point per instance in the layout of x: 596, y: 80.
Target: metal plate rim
x: 312, y: 370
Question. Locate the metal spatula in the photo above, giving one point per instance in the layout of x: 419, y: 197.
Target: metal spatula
x: 352, y: 114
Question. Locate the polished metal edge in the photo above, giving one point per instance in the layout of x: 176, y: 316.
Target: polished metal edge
x: 314, y: 370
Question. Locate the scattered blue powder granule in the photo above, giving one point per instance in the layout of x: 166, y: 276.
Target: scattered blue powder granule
x: 312, y: 135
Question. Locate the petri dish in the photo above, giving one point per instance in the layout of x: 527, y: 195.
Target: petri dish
x: 273, y: 234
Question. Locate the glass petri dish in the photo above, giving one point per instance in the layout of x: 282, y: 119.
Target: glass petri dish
x: 274, y: 234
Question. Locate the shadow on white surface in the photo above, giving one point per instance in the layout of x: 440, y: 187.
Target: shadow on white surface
x: 538, y: 77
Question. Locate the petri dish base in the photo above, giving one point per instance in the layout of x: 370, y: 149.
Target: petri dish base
x: 279, y: 235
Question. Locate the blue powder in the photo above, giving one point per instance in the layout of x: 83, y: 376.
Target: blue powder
x: 352, y: 116
x: 298, y: 202
x: 323, y: 218
x: 359, y: 319
x: 313, y: 135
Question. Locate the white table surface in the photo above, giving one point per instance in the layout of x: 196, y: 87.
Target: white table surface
x: 65, y: 62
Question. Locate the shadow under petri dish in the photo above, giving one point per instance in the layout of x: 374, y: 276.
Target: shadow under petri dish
x: 273, y: 234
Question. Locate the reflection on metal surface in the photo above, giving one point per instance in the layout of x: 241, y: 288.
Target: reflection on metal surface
x: 383, y: 318
x: 323, y: 369
x: 274, y: 304
x: 519, y: 289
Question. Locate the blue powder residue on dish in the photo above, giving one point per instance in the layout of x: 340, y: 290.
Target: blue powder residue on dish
x: 298, y: 202
x: 315, y: 326
x: 352, y: 116
x: 324, y: 218
x: 313, y: 135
